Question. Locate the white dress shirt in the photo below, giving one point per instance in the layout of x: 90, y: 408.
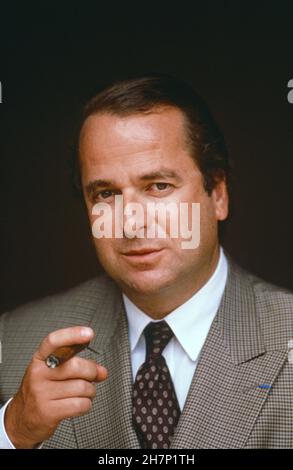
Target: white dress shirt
x: 190, y: 324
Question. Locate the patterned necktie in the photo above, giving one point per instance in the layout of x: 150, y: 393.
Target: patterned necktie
x: 155, y: 406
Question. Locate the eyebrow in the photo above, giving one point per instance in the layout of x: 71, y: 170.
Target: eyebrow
x: 162, y: 173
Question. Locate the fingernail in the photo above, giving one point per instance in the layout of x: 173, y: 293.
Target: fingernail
x: 102, y: 368
x: 86, y: 332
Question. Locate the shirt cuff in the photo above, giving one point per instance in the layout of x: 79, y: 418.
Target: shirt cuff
x: 5, y: 442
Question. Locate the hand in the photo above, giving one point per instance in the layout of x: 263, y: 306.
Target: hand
x: 47, y: 396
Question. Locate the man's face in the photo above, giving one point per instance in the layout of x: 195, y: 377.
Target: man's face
x: 144, y: 158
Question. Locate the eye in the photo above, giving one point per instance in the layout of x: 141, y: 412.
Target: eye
x: 103, y: 194
x: 162, y: 186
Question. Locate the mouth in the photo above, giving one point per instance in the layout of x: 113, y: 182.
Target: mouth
x: 143, y: 254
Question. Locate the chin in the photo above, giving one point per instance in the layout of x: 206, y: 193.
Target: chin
x: 148, y: 282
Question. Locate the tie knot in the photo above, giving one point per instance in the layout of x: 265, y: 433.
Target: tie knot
x: 157, y: 335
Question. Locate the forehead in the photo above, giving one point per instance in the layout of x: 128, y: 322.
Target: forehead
x: 158, y: 128
x: 129, y: 145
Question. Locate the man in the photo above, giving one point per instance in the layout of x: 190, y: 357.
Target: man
x: 186, y: 349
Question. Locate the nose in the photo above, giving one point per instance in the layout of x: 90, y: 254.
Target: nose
x: 134, y: 215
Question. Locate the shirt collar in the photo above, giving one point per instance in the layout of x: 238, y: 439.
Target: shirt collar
x: 190, y: 322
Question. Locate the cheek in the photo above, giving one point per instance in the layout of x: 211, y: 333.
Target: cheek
x: 208, y: 223
x: 105, y: 250
x: 101, y: 220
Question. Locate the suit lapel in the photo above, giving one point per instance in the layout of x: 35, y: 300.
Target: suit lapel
x: 233, y: 376
x: 109, y: 423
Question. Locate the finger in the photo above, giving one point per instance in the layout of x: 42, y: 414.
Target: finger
x: 78, y: 368
x: 69, y: 407
x: 71, y: 388
x: 63, y: 337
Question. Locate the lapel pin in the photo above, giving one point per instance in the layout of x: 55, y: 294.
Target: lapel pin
x: 264, y: 386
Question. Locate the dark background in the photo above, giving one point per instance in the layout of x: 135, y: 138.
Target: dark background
x: 53, y: 58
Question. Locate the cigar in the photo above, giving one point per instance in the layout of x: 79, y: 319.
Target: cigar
x: 64, y: 353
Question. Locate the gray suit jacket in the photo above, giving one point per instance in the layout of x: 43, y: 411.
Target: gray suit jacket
x: 241, y: 393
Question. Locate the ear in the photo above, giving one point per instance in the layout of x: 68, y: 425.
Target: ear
x: 220, y: 199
